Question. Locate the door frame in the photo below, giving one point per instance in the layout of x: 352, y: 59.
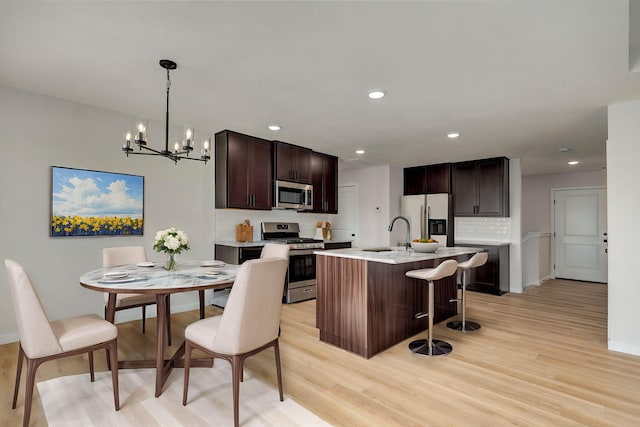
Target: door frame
x: 553, y: 220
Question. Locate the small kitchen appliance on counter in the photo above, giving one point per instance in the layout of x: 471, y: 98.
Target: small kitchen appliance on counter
x: 301, y: 278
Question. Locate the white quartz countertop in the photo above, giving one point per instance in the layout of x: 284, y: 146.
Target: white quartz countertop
x: 480, y: 242
x: 397, y: 256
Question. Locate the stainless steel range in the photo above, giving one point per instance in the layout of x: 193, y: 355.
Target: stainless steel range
x: 301, y: 279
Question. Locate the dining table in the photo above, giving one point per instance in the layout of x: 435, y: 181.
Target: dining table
x: 153, y: 278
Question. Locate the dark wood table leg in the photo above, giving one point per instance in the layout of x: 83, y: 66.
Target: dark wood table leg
x: 161, y: 307
x: 201, y: 298
x: 110, y: 316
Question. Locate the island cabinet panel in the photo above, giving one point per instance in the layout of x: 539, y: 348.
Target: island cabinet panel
x: 366, y: 307
x: 341, y: 302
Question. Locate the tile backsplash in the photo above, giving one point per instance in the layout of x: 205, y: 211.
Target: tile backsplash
x: 227, y: 219
x: 476, y: 228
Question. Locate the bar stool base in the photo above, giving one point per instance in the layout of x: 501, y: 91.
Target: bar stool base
x: 438, y: 347
x: 468, y: 326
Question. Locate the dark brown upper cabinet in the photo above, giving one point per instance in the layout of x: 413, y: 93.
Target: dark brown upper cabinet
x: 244, y: 172
x: 324, y: 177
x: 481, y: 187
x: 292, y: 163
x: 429, y: 179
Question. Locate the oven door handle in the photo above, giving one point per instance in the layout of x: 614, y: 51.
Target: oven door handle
x: 302, y: 252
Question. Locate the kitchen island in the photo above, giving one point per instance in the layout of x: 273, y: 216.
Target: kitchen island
x: 365, y: 303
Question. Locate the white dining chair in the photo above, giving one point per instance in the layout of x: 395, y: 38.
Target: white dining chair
x: 248, y: 325
x: 274, y: 250
x: 123, y: 255
x: 41, y: 340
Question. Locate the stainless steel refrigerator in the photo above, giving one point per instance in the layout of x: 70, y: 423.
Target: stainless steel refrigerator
x: 430, y: 216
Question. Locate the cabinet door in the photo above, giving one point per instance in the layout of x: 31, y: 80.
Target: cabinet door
x: 464, y: 188
x: 317, y: 180
x: 293, y: 163
x: 238, y: 188
x: 439, y: 178
x: 284, y: 161
x: 415, y: 180
x: 493, y: 187
x: 259, y: 170
x: 302, y: 165
x: 331, y: 184
x: 324, y: 177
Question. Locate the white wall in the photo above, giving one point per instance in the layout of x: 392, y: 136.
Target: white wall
x: 38, y: 132
x: 623, y: 205
x: 536, y: 195
x: 374, y: 192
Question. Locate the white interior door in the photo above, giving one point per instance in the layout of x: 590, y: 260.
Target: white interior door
x: 345, y: 223
x: 580, y: 221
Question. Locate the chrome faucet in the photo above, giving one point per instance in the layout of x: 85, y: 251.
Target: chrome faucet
x: 407, y: 243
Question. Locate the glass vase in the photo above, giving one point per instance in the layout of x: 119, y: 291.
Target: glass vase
x: 171, y: 263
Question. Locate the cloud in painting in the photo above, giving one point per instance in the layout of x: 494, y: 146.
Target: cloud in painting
x: 85, y: 198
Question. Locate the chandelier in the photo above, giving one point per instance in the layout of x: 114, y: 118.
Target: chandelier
x: 180, y: 150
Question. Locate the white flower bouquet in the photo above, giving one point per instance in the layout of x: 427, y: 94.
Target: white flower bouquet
x: 171, y: 241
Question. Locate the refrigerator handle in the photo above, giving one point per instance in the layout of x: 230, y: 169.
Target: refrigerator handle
x: 427, y: 222
x: 421, y: 221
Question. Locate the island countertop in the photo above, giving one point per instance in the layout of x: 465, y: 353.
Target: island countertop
x: 397, y: 256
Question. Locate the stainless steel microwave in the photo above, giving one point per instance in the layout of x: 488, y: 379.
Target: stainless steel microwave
x: 292, y: 195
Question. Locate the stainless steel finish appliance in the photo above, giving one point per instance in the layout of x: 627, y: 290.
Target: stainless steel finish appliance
x: 301, y: 278
x: 292, y: 195
x: 430, y: 215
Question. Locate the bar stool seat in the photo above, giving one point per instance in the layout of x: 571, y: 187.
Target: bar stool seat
x: 464, y: 325
x: 431, y: 347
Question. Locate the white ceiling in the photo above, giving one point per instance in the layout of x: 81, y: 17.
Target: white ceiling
x: 515, y: 78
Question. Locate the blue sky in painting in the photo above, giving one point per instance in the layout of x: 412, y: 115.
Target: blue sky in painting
x: 90, y: 193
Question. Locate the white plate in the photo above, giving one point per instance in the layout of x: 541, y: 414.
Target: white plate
x: 212, y: 273
x: 120, y: 280
x: 212, y: 263
x: 145, y: 264
x: 115, y: 274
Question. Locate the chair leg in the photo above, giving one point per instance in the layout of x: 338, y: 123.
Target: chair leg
x: 169, y: 320
x: 236, y: 372
x: 112, y: 351
x: 201, y: 299
x: 18, y: 374
x: 430, y: 346
x: 144, y: 318
x: 187, y: 363
x: 91, y: 371
x: 463, y: 324
x: 278, y: 369
x: 32, y: 366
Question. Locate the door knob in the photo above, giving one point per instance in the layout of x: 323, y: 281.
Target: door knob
x: 353, y: 235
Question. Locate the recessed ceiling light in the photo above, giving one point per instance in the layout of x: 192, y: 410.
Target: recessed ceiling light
x: 573, y: 162
x: 453, y: 135
x: 359, y: 151
x: 274, y: 127
x: 376, y: 94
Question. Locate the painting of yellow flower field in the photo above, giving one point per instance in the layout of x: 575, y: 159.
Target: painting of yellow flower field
x: 94, y: 203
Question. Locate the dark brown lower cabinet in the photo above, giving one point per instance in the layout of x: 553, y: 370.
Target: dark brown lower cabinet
x: 493, y: 277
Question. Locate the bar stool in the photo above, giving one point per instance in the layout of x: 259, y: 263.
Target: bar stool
x: 475, y: 261
x: 431, y: 347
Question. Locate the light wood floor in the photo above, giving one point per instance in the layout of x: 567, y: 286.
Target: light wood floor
x: 540, y: 359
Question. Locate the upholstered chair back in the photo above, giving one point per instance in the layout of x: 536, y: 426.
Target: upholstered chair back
x: 274, y: 250
x: 36, y: 336
x: 112, y: 257
x: 251, y: 317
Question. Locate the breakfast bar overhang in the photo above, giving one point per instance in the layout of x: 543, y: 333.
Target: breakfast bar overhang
x: 365, y: 303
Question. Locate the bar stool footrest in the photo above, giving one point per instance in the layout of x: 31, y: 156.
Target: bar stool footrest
x: 438, y: 347
x: 469, y: 326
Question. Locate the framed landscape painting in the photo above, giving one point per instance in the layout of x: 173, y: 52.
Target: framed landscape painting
x: 94, y: 203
